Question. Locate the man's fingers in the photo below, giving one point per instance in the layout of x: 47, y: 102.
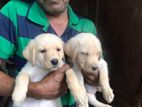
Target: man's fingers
x: 64, y: 68
x: 59, y: 77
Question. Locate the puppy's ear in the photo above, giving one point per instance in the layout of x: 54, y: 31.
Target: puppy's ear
x: 100, y: 50
x: 100, y: 55
x: 70, y: 49
x: 30, y: 52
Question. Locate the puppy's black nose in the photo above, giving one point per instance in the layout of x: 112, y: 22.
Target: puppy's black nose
x: 54, y: 61
x: 94, y: 68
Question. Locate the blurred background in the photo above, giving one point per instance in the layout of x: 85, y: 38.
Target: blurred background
x: 119, y: 26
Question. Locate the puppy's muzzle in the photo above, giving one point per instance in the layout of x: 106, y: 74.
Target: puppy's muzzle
x: 54, y: 61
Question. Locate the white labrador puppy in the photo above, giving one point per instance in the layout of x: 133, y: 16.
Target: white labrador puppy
x: 44, y: 54
x: 85, y: 51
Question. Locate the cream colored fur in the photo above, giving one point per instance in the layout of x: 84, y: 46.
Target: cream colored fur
x: 85, y: 52
x: 40, y: 53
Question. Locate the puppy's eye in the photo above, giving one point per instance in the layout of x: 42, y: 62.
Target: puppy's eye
x: 58, y: 49
x: 85, y: 53
x: 42, y: 51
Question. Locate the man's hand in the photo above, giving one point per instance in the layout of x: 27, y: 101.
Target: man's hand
x: 52, y: 86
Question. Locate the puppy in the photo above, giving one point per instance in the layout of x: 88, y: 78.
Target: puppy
x: 44, y: 54
x: 85, y: 52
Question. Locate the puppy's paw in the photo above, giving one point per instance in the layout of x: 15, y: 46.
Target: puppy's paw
x: 108, y: 94
x: 81, y: 98
x: 82, y: 105
x: 105, y: 105
x: 108, y: 106
x: 18, y: 97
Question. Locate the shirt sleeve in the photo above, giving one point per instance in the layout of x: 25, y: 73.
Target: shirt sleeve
x: 7, y: 33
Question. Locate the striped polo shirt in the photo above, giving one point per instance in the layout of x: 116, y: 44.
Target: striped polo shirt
x: 20, y: 22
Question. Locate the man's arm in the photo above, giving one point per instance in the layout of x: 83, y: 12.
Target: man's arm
x: 6, y: 84
x: 52, y: 86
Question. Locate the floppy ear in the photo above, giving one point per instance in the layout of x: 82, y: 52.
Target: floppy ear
x: 30, y: 52
x: 100, y: 55
x: 100, y: 50
x: 70, y: 49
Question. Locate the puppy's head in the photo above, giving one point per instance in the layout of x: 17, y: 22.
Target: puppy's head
x: 85, y: 50
x: 46, y: 51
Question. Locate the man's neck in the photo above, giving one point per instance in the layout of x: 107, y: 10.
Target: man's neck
x: 59, y: 22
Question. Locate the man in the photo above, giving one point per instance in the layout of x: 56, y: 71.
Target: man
x: 20, y: 22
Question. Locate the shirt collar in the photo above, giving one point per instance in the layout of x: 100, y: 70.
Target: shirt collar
x: 73, y: 18
x: 36, y: 15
